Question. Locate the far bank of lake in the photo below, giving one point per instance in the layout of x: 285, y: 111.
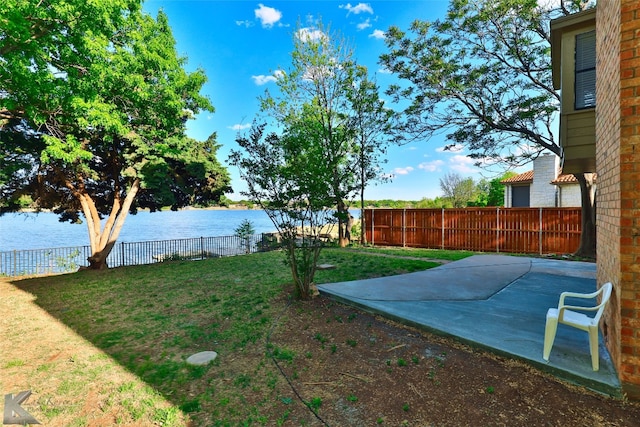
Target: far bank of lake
x: 43, y: 230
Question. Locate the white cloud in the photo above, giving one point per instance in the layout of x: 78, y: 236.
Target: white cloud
x: 239, y: 127
x: 359, y: 8
x: 263, y: 79
x: 433, y: 166
x: 403, y: 171
x: 463, y: 164
x: 268, y: 16
x: 364, y: 25
x: 309, y: 34
x: 245, y: 24
x: 377, y: 34
x: 384, y: 71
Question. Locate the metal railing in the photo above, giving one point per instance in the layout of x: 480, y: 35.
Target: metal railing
x: 35, y: 262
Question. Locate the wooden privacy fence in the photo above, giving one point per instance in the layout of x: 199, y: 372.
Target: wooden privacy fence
x: 514, y: 230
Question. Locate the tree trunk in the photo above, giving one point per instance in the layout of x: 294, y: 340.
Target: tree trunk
x: 587, y: 248
x: 103, y: 240
x: 363, y: 223
x: 344, y: 231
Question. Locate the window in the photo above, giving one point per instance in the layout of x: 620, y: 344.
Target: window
x: 585, y: 70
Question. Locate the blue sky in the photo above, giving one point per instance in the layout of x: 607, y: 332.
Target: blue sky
x: 240, y: 44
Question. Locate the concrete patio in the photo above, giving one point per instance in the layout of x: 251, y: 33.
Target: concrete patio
x: 495, y: 302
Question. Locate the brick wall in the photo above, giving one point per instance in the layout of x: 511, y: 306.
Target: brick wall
x: 618, y: 167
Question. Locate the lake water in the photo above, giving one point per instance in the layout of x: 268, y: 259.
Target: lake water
x: 43, y: 230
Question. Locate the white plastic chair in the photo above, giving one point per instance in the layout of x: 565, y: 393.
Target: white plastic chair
x: 567, y: 315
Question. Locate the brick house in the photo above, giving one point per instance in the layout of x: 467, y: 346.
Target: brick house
x: 544, y: 186
x: 614, y: 154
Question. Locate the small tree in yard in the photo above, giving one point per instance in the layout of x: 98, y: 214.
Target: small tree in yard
x: 283, y: 181
x: 341, y: 111
x: 244, y: 231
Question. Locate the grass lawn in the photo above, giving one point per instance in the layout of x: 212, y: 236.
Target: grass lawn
x: 109, y: 347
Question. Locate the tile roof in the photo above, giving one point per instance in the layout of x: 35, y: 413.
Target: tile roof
x: 527, y: 178
x: 568, y: 179
x: 523, y: 178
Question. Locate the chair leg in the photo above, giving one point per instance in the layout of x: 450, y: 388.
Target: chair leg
x: 593, y: 347
x: 549, y: 336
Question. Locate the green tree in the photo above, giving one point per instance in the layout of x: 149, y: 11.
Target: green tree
x: 484, y: 74
x: 244, y: 231
x: 100, y: 128
x: 458, y: 190
x: 284, y: 180
x: 326, y: 95
x: 491, y: 192
x: 373, y: 128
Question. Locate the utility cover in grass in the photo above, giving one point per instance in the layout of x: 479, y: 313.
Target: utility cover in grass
x: 202, y: 358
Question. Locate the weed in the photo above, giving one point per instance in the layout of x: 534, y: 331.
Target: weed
x: 352, y: 343
x: 308, y: 355
x: 379, y: 420
x: 128, y: 386
x: 405, y: 407
x: 334, y: 348
x: 352, y: 317
x: 352, y: 398
x: 315, y: 403
x: 242, y: 381
x: 283, y: 418
x: 338, y: 319
x: 489, y: 390
x: 14, y: 363
x: 415, y: 359
x: 283, y: 354
x: 388, y: 362
x: 402, y: 362
x: 191, y: 406
x: 320, y: 338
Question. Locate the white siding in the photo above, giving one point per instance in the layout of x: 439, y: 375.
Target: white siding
x: 570, y: 196
x: 545, y: 170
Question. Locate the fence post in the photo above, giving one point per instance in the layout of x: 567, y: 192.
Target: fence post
x: 122, y: 254
x: 498, y: 229
x: 373, y: 222
x: 540, y: 231
x: 442, y: 227
x: 15, y: 262
x: 202, y: 247
x: 404, y: 228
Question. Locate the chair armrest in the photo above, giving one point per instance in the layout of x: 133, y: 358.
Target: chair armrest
x: 577, y: 308
x: 576, y: 295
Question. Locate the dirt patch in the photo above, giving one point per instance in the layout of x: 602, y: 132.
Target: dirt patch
x: 362, y: 370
